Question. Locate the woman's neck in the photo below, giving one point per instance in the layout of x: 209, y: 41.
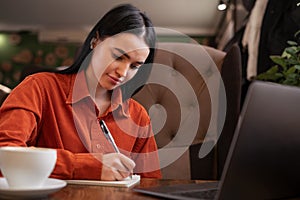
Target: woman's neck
x: 100, y: 95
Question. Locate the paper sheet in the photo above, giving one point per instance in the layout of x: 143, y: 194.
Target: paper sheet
x: 124, y: 183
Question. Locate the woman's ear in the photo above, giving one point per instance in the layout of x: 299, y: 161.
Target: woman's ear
x: 95, y: 40
x: 93, y: 43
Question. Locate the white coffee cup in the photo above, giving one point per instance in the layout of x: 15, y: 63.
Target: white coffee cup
x: 26, y: 167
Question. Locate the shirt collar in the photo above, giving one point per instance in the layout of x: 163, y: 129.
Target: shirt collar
x: 78, y: 88
x: 79, y: 91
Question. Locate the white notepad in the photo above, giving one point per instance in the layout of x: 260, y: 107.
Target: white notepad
x: 127, y: 182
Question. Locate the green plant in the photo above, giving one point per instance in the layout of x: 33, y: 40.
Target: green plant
x: 287, y: 66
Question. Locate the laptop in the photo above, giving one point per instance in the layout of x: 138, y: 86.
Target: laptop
x: 264, y: 158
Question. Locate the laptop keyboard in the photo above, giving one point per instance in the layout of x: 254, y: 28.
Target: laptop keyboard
x: 203, y: 194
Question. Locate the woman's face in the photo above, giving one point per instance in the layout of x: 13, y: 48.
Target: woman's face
x: 116, y: 59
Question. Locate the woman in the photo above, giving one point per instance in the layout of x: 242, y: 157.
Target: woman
x: 62, y: 109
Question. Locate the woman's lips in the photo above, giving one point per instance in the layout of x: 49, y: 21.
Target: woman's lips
x: 114, y: 80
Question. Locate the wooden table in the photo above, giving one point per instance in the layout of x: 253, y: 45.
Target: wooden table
x: 80, y: 192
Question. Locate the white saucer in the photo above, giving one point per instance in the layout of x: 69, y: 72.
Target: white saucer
x: 50, y: 186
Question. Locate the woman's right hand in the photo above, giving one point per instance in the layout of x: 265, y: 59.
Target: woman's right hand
x: 116, y: 166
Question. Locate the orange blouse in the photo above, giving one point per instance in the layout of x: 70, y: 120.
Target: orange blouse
x: 56, y: 111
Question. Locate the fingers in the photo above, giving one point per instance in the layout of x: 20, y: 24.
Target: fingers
x: 112, y: 174
x: 116, y: 166
x: 127, y: 163
x: 119, y: 175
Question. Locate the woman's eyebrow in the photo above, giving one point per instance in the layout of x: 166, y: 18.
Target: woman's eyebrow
x: 122, y: 52
x: 127, y: 56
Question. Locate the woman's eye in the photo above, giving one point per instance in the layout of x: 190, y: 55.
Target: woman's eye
x: 135, y: 66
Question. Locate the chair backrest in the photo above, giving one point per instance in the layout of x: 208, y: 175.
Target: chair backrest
x: 167, y: 98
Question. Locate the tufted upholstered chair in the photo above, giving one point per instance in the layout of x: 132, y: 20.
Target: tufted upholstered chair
x: 180, y: 119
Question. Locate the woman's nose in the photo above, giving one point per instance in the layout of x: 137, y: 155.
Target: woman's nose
x: 122, y: 69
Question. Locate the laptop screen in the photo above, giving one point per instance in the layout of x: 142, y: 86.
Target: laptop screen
x: 264, y: 161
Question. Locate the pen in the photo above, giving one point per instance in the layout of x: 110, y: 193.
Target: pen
x: 109, y: 137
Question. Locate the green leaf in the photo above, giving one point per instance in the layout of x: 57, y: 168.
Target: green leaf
x: 279, y: 60
x: 291, y: 70
x: 292, y: 61
x: 285, y: 54
x: 291, y: 79
x: 292, y: 43
x: 297, y: 67
x: 270, y: 75
x: 291, y: 51
x: 297, y: 33
x: 273, y: 70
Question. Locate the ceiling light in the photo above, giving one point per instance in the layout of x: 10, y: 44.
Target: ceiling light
x: 222, y: 5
